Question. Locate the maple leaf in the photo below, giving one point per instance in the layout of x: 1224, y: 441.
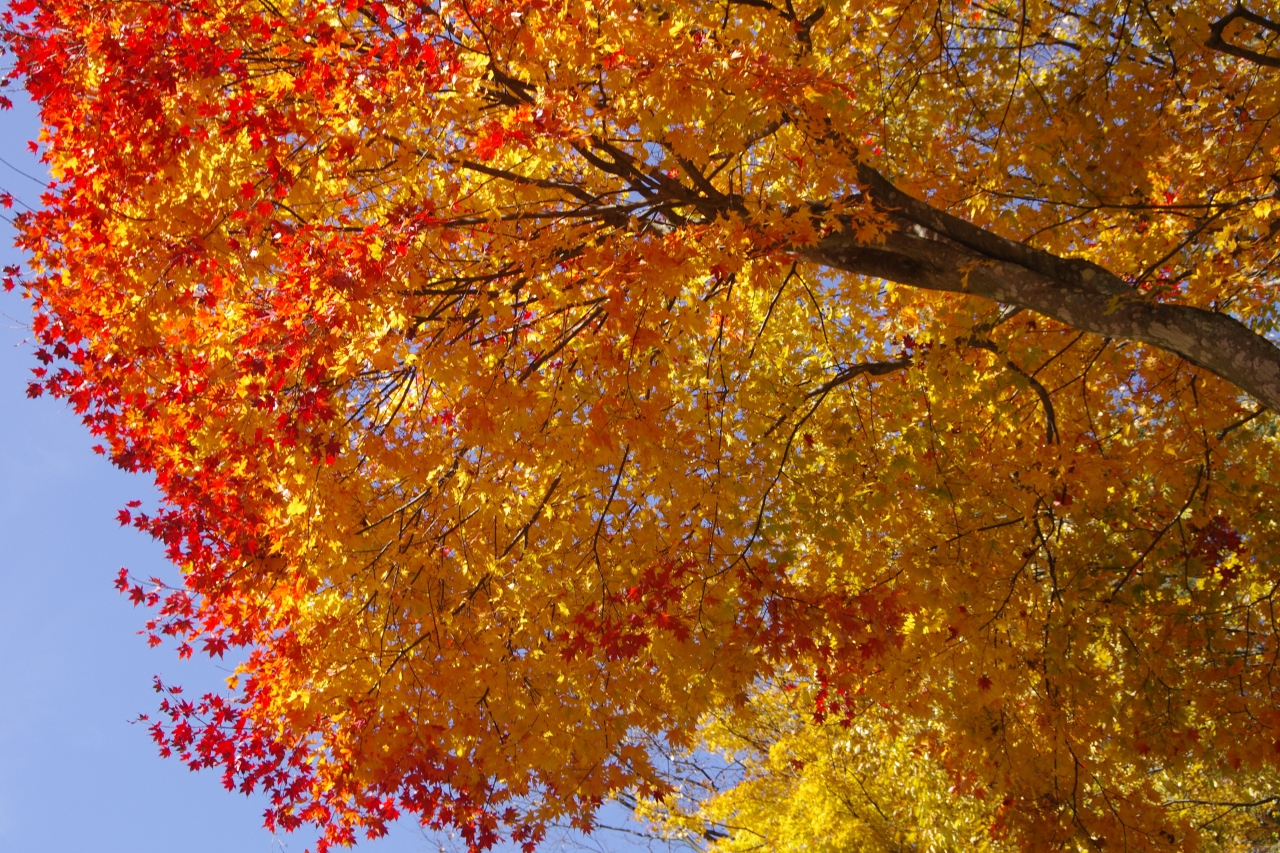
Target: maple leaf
x: 488, y: 146
x: 535, y: 390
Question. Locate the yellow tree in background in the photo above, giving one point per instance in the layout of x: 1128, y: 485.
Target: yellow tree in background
x: 878, y: 395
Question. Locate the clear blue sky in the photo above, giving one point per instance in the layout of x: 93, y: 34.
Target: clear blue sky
x: 75, y: 774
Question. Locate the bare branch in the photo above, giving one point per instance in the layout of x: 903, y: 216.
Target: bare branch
x: 1218, y: 43
x: 934, y: 250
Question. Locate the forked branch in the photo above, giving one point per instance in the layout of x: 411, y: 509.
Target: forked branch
x: 1218, y: 43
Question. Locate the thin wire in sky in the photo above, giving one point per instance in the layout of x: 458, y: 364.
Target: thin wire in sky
x: 26, y: 175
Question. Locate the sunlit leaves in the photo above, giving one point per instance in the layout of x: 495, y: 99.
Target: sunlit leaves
x: 502, y: 426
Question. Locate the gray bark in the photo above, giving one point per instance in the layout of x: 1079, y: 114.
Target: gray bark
x: 934, y: 250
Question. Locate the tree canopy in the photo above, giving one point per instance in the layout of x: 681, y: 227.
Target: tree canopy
x: 875, y: 396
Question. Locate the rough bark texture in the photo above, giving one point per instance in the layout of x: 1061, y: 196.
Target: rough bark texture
x: 934, y: 250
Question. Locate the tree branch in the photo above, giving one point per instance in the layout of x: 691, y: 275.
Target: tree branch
x: 1218, y: 43
x: 934, y: 250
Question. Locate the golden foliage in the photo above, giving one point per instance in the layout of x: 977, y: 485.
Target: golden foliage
x: 503, y: 413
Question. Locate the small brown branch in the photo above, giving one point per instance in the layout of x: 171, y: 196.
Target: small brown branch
x: 524, y: 531
x: 1218, y: 43
x: 1155, y: 540
x: 466, y: 600
x: 1229, y: 428
x: 1051, y: 435
x: 596, y: 312
x: 847, y: 374
x: 844, y: 376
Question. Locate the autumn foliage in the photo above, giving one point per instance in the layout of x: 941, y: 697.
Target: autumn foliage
x: 876, y: 396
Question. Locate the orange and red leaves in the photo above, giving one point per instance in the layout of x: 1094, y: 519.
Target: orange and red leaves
x: 625, y: 624
x: 353, y: 358
x: 495, y: 138
x: 1213, y: 543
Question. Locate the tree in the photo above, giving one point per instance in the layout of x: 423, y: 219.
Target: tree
x: 529, y: 379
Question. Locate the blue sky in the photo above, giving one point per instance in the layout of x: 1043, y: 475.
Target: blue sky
x: 75, y: 773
